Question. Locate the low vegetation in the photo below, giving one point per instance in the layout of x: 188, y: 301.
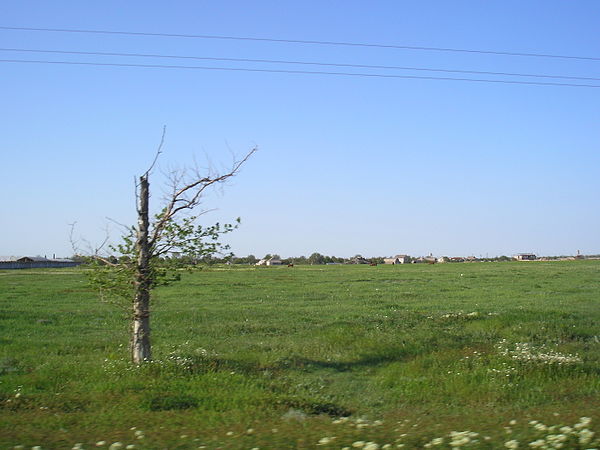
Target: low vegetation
x: 482, y: 355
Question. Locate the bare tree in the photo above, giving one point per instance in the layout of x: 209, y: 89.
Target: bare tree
x: 137, y: 268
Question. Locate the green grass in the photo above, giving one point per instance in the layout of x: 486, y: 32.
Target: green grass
x: 425, y: 349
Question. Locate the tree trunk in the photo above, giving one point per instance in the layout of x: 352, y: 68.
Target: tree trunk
x: 140, y: 338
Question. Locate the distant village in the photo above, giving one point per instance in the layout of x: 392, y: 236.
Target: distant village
x: 39, y: 262
x: 316, y: 258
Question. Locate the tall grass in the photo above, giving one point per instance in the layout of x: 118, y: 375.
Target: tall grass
x: 415, y: 350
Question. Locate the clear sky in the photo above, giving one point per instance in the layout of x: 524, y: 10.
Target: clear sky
x: 346, y: 165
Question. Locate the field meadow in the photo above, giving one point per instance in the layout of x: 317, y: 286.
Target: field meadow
x: 465, y: 355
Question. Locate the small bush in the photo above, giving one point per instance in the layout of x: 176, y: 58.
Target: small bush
x: 317, y: 408
x: 167, y: 402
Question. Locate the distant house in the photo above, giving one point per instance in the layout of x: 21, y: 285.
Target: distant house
x: 6, y: 259
x: 457, y: 259
x: 525, y: 257
x: 424, y: 259
x: 443, y: 259
x: 35, y: 262
x: 398, y: 259
x: 429, y: 259
x: 358, y: 260
x: 30, y: 259
x: 269, y: 262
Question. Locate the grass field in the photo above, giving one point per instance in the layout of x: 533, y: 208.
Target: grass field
x: 478, y: 355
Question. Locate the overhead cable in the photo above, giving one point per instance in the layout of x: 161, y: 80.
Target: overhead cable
x: 350, y: 74
x: 310, y: 63
x: 299, y: 41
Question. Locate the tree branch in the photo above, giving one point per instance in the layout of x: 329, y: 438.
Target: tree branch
x: 105, y: 261
x: 122, y: 225
x: 158, y: 151
x: 74, y: 245
x: 188, y: 196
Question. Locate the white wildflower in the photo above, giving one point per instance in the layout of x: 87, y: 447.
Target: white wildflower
x: 585, y: 436
x: 512, y: 444
x: 460, y: 438
x: 583, y: 422
x: 326, y: 440
x: 115, y: 446
x: 556, y: 438
x: 434, y: 442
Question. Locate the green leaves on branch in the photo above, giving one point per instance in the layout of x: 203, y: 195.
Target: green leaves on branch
x: 191, y: 240
x: 114, y: 276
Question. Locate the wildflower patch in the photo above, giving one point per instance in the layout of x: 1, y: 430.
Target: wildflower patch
x: 527, y: 353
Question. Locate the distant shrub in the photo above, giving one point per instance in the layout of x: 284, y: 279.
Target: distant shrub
x: 316, y: 407
x: 168, y: 402
x: 9, y: 365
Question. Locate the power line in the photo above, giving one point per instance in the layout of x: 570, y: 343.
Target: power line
x: 310, y: 63
x: 310, y: 42
x: 245, y: 69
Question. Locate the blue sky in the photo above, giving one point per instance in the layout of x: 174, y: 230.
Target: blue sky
x: 346, y: 165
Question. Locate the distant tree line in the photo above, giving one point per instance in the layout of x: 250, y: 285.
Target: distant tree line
x: 314, y: 259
